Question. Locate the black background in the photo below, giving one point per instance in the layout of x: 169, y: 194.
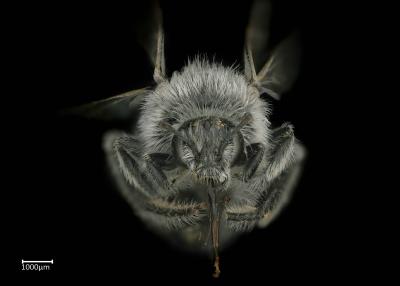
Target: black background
x: 65, y: 207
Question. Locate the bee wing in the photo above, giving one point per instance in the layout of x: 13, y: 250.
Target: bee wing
x: 280, y: 72
x: 257, y: 32
x: 150, y: 35
x: 118, y: 107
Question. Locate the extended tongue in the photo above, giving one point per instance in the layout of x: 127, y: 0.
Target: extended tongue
x: 214, y: 225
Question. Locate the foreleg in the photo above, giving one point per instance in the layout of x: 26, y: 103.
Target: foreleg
x: 284, y: 164
x: 136, y: 184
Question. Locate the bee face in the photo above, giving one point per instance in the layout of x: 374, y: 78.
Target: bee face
x: 215, y: 147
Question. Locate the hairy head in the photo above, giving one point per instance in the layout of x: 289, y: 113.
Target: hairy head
x: 202, y: 89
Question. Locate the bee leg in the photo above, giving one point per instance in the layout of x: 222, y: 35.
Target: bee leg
x: 256, y: 151
x: 275, y: 185
x: 270, y: 201
x: 282, y: 153
x: 124, y: 156
x: 163, y: 161
x: 155, y: 163
x: 171, y: 214
x: 135, y: 184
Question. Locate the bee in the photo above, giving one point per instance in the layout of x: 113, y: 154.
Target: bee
x: 202, y: 163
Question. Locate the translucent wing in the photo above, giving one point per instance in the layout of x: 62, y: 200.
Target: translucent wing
x: 279, y: 73
x: 118, y: 107
x: 257, y: 32
x: 150, y: 35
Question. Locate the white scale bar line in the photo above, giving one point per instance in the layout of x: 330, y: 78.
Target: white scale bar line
x: 40, y: 261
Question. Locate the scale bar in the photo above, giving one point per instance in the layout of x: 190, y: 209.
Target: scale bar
x: 39, y: 261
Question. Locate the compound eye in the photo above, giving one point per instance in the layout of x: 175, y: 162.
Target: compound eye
x: 187, y: 154
x: 231, y: 149
x: 186, y: 148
